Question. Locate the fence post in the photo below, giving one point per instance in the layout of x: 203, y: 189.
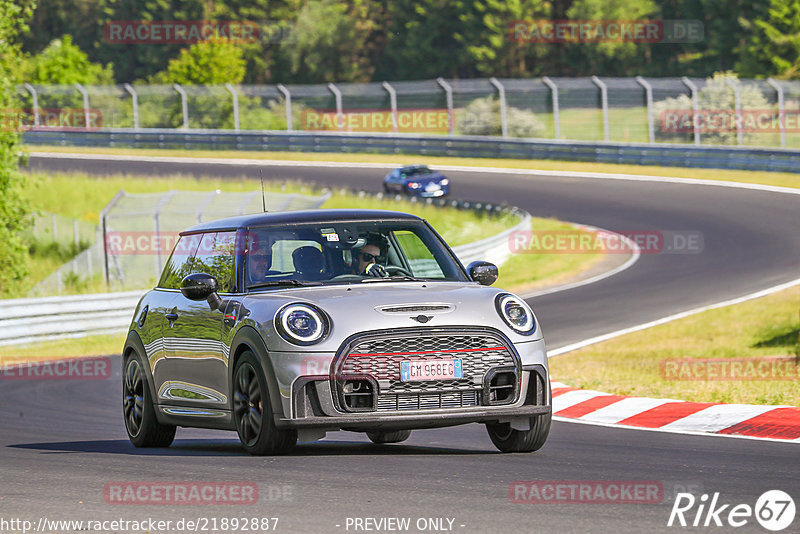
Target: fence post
x: 554, y: 94
x: 288, y: 100
x: 235, y: 97
x: 695, y: 108
x: 157, y: 224
x: 448, y: 95
x: 501, y: 91
x: 781, y: 110
x: 604, y: 104
x: 648, y: 92
x: 135, y: 102
x: 737, y: 109
x: 35, y: 98
x: 184, y: 105
x: 337, y: 94
x: 392, y: 102
x: 104, y: 225
x: 85, y: 94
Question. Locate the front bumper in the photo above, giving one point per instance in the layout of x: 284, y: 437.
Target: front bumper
x: 415, y: 421
x: 311, y: 399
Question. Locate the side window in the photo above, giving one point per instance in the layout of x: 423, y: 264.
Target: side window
x: 180, y: 262
x: 215, y: 256
x: 419, y: 256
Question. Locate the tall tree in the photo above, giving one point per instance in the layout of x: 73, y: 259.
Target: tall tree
x: 775, y: 45
x: 426, y: 40
x: 327, y: 45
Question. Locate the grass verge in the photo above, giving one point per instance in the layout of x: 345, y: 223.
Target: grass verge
x: 756, y: 330
x: 783, y: 179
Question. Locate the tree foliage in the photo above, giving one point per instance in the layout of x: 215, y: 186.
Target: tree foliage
x: 775, y: 43
x: 62, y: 62
x: 14, y: 211
x: 215, y: 61
x: 372, y: 40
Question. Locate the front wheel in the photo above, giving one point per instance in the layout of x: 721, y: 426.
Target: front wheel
x: 143, y: 428
x: 253, y: 413
x: 381, y: 436
x: 506, y: 439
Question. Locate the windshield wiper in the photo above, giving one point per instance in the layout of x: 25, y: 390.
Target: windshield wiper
x: 278, y: 283
x: 394, y: 279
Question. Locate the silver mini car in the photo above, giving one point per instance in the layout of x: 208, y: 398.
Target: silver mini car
x: 283, y: 326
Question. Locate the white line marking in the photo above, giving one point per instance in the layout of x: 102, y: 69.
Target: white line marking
x: 635, y: 255
x: 605, y: 337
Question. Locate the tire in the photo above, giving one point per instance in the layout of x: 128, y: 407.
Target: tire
x: 395, y: 436
x: 143, y: 428
x: 506, y: 439
x: 252, y: 411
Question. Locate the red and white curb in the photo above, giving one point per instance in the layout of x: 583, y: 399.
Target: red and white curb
x: 743, y: 420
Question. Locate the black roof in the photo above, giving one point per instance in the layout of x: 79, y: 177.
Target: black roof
x: 294, y: 217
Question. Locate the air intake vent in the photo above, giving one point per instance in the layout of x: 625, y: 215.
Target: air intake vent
x: 416, y: 308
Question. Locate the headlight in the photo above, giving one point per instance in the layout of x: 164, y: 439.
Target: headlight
x: 414, y: 185
x: 444, y: 181
x: 515, y: 313
x: 301, y: 324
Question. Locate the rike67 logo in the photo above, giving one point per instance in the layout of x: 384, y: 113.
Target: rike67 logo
x: 774, y: 510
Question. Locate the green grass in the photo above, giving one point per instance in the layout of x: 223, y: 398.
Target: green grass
x: 784, y: 179
x: 631, y: 365
x: 82, y: 197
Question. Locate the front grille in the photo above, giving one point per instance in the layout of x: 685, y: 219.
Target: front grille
x: 427, y: 401
x: 380, y: 357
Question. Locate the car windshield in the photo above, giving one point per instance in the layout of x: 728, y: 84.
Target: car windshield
x: 346, y: 253
x: 417, y: 171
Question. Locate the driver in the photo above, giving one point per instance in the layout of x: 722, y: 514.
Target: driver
x: 259, y: 260
x: 369, y: 258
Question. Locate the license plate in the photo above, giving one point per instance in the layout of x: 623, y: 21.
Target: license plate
x: 416, y: 370
x: 432, y: 187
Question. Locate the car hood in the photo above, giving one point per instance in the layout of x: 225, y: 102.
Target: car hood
x: 425, y: 178
x: 356, y: 308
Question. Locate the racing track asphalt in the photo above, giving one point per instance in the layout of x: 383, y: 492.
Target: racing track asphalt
x: 62, y: 441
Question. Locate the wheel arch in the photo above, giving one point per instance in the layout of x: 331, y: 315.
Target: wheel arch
x: 248, y: 338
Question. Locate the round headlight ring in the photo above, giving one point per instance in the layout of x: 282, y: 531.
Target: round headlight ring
x: 301, y: 324
x: 516, y: 313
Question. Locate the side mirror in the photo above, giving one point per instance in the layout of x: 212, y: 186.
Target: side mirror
x: 198, y: 286
x: 483, y: 272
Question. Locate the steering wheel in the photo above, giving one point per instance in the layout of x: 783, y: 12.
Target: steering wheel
x: 394, y: 269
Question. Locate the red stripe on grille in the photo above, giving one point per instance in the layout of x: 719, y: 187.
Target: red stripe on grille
x: 354, y: 354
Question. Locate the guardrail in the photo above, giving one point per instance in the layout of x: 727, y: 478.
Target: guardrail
x: 40, y: 319
x: 741, y: 158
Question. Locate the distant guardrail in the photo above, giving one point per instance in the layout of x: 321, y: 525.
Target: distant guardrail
x: 25, y: 321
x: 720, y: 157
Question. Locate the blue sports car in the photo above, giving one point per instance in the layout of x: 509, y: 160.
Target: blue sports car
x: 417, y: 180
